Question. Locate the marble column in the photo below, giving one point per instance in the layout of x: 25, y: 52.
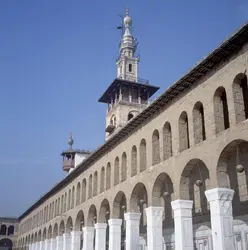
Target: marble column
x: 59, y: 242
x: 154, y: 228
x: 66, y: 241
x: 100, y: 239
x: 36, y: 245
x: 47, y: 244
x: 115, y: 234
x: 88, y: 238
x: 41, y: 245
x: 75, y: 240
x: 183, y: 224
x: 220, y: 200
x: 53, y: 244
x: 132, y: 230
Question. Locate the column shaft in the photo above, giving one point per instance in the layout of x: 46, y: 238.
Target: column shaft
x: 100, y: 239
x: 154, y: 228
x: 75, y: 240
x: 88, y: 238
x: 66, y: 241
x: 115, y: 234
x: 59, y: 242
x: 183, y: 224
x: 53, y: 244
x: 132, y: 230
x: 220, y: 200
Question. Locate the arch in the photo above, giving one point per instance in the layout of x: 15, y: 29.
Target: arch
x: 49, y: 232
x: 92, y: 216
x: 102, y: 185
x: 108, y: 176
x: 62, y: 204
x: 117, y: 171
x: 11, y: 229
x: 183, y: 126
x: 143, y: 160
x: 113, y: 120
x: 3, y: 229
x: 104, y: 212
x: 73, y: 197
x: 79, y: 223
x: 230, y: 175
x: 155, y: 148
x: 90, y: 187
x: 39, y: 235
x: 123, y: 167
x: 130, y: 67
x: 240, y: 97
x: 134, y: 163
x: 199, y: 123
x: 193, y: 184
x: 69, y: 200
x: 95, y: 184
x: 167, y: 141
x: 221, y: 113
x: 130, y: 116
x: 84, y: 183
x: 119, y: 206
x: 69, y: 225
x: 138, y: 203
x: 44, y: 234
x: 6, y: 243
x: 58, y: 207
x: 65, y: 202
x: 162, y: 194
x: 61, y: 228
x: 55, y: 230
x: 78, y: 194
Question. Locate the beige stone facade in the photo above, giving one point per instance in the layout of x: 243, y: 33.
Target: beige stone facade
x: 189, y: 140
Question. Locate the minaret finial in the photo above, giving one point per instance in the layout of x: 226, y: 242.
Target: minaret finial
x: 127, y: 12
x: 70, y: 141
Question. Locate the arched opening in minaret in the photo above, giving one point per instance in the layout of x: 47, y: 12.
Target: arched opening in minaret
x: 130, y: 67
x: 130, y: 116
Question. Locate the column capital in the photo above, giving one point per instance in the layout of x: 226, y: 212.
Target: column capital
x: 132, y: 216
x: 115, y: 222
x: 224, y: 194
x: 88, y: 229
x: 101, y: 225
x: 182, y: 204
x: 155, y: 210
x: 76, y: 233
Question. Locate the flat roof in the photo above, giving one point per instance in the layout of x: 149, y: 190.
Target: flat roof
x: 224, y: 51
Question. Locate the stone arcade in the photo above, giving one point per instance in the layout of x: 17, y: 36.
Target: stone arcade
x: 172, y: 174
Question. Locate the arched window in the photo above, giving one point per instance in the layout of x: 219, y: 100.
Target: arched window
x: 78, y: 194
x: 221, y: 113
x: 155, y: 148
x: 62, y: 204
x: 56, y: 204
x: 199, y: 123
x: 117, y: 171
x: 130, y: 67
x: 130, y: 116
x: 167, y: 141
x: 143, y: 161
x: 11, y: 230
x: 123, y: 167
x: 95, y: 184
x: 69, y: 200
x: 73, y: 198
x: 183, y: 132
x: 134, y: 161
x: 90, y: 187
x: 108, y: 176
x: 102, y: 186
x: 58, y: 207
x: 113, y: 120
x: 65, y: 202
x: 240, y: 96
x: 3, y: 230
x: 84, y: 190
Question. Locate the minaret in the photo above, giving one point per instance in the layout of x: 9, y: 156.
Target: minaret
x: 128, y: 94
x: 71, y: 157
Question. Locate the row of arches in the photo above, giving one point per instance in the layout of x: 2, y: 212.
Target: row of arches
x: 99, y: 182
x: 7, y: 230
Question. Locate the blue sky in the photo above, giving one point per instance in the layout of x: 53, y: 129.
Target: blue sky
x: 56, y: 59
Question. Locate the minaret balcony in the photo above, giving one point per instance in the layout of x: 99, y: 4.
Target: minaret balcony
x: 68, y: 164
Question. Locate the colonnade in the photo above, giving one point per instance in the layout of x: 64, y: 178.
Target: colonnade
x: 220, y: 200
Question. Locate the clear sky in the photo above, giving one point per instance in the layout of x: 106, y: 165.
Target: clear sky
x: 56, y: 59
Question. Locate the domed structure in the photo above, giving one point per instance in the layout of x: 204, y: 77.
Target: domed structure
x: 127, y: 20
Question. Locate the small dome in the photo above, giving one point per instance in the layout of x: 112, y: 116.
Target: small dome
x: 127, y: 20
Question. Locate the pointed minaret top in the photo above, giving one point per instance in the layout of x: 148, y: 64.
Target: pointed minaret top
x: 70, y: 140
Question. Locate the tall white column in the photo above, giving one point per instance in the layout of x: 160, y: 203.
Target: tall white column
x: 66, y: 241
x: 100, y: 239
x: 183, y: 224
x: 59, y: 242
x: 154, y: 228
x: 36, y: 245
x: 47, y: 244
x: 220, y: 200
x: 132, y: 230
x: 41, y: 245
x: 88, y: 238
x: 75, y: 240
x: 115, y: 234
x: 53, y: 244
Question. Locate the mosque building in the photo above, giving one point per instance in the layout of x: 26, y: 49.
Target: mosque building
x: 172, y: 173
